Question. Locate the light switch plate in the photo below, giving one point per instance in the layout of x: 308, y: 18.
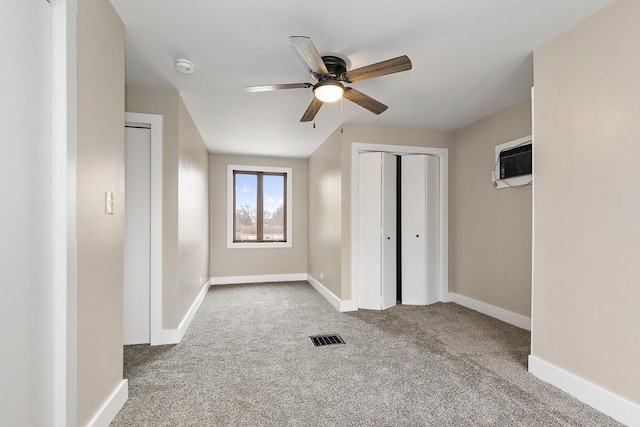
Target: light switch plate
x: 108, y: 203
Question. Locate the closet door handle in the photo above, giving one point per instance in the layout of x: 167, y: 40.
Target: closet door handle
x: 417, y: 235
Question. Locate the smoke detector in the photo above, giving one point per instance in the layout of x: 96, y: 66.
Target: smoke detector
x: 184, y: 66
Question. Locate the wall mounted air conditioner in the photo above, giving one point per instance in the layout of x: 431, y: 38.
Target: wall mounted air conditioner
x: 513, y: 163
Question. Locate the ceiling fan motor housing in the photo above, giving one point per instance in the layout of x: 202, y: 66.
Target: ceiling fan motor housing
x: 336, y: 67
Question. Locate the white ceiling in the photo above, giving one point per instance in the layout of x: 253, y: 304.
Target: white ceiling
x: 470, y: 59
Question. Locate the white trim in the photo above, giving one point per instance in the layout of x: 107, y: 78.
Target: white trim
x: 336, y: 302
x: 595, y: 396
x: 156, y: 334
x: 166, y: 336
x: 507, y: 316
x: 441, y: 153
x: 64, y: 139
x: 174, y: 336
x: 533, y: 213
x: 230, y: 191
x: 349, y: 305
x: 326, y: 293
x: 186, y: 321
x: 111, y: 406
x: 266, y: 278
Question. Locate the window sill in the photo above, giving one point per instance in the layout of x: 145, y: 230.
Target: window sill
x: 262, y: 245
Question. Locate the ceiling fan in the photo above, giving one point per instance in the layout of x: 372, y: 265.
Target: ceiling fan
x: 330, y: 73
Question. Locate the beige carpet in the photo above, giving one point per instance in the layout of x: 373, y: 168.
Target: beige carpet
x: 247, y: 360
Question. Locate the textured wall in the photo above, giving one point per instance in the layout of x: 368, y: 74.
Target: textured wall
x: 248, y: 262
x: 490, y: 228
x: 100, y: 168
x: 586, y: 204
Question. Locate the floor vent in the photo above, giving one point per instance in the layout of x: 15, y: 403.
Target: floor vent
x: 322, y: 340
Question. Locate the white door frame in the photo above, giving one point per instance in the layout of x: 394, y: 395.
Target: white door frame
x: 155, y: 303
x: 443, y: 155
x: 63, y: 215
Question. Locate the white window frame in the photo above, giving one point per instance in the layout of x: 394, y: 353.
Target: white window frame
x: 289, y: 203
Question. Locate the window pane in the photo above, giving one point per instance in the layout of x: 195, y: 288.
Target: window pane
x: 246, y: 207
x: 273, y: 207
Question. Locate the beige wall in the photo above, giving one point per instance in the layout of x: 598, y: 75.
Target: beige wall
x: 369, y: 134
x: 490, y: 236
x: 193, y: 211
x: 325, y: 214
x: 165, y: 103
x: 375, y: 135
x: 100, y: 168
x: 586, y: 200
x: 185, y: 197
x: 324, y: 164
x: 226, y: 262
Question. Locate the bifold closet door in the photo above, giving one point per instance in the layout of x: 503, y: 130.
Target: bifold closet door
x: 389, y: 262
x: 420, y: 225
x: 377, y: 230
x: 137, y: 236
x: 433, y: 229
x: 413, y: 224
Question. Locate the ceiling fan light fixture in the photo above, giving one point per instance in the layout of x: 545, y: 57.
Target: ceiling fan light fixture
x: 328, y: 90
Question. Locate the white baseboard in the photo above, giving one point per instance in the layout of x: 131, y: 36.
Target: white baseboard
x: 174, y: 336
x: 336, y: 302
x: 186, y: 321
x: 603, y: 400
x: 349, y: 305
x: 111, y: 406
x: 265, y: 278
x: 166, y: 336
x: 507, y: 316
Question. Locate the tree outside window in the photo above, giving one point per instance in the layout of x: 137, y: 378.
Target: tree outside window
x: 260, y: 207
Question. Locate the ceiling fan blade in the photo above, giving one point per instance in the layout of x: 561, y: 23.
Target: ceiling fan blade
x: 390, y: 66
x: 312, y: 110
x: 308, y: 52
x: 376, y: 107
x: 268, y: 88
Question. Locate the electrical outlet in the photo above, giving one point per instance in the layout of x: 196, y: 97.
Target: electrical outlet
x: 321, y: 276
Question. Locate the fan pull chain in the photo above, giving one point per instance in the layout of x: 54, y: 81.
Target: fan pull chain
x: 341, y: 115
x: 315, y: 112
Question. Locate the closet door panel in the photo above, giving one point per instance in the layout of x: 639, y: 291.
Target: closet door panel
x: 389, y: 233
x: 414, y: 257
x: 369, y: 229
x: 433, y: 229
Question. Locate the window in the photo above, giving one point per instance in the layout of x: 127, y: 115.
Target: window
x: 259, y: 207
